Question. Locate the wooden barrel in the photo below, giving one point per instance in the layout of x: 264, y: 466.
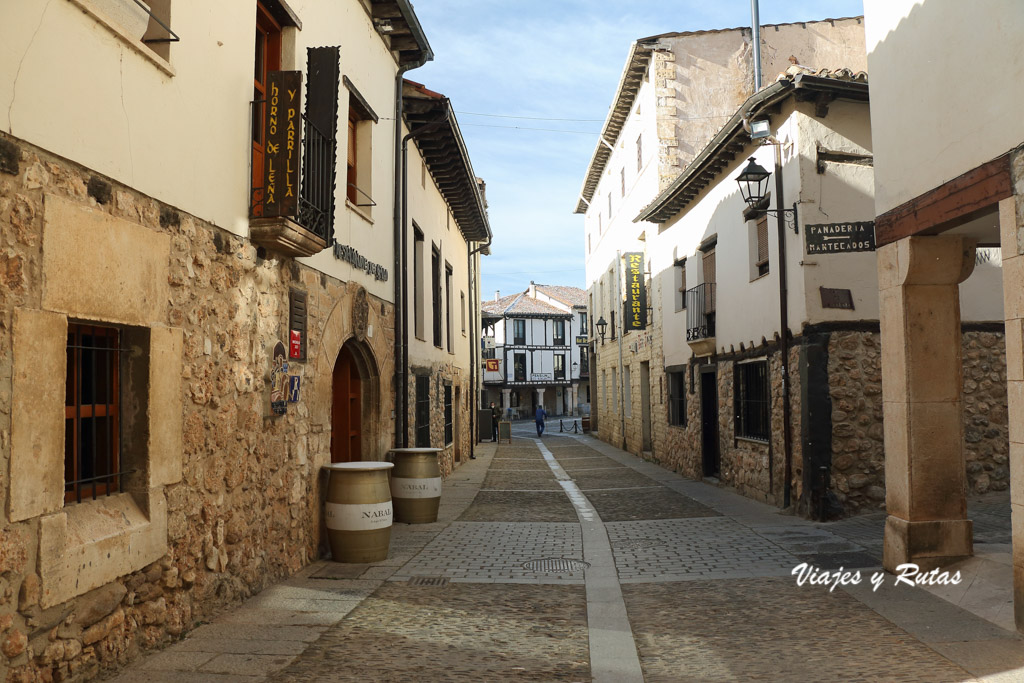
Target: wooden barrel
x: 358, y: 511
x: 416, y: 485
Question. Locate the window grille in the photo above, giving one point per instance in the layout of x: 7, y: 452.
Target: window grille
x: 751, y: 400
x: 92, y: 461
x: 677, y: 399
x: 422, y: 411
x: 447, y: 414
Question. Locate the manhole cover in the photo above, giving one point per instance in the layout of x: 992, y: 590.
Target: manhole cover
x: 639, y: 543
x: 438, y: 581
x: 557, y: 564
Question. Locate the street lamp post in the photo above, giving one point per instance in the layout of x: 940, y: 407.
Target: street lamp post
x: 602, y: 326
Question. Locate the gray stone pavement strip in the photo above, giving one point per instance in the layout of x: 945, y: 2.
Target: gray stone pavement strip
x: 613, y: 654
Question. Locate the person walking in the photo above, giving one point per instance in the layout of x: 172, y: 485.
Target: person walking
x: 541, y: 414
x: 495, y: 418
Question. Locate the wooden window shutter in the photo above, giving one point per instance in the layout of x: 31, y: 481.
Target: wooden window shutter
x: 323, y: 73
x: 709, y: 266
x: 297, y: 319
x: 762, y: 241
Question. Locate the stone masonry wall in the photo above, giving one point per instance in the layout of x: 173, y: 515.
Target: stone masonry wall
x: 858, y: 454
x: 441, y: 373
x: 858, y: 450
x: 247, y: 510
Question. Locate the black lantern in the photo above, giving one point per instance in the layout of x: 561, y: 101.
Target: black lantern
x: 753, y: 183
x: 602, y: 326
x: 575, y: 367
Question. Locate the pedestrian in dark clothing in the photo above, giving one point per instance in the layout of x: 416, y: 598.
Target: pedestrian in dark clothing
x: 541, y: 414
x: 495, y: 418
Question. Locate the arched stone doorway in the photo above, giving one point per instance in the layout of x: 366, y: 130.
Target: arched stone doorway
x: 354, y: 388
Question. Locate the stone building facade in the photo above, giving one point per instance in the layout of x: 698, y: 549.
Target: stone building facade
x: 172, y: 357
x: 232, y: 493
x: 714, y: 279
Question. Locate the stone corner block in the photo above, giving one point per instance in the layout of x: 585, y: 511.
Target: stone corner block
x: 165, y: 411
x: 37, y: 414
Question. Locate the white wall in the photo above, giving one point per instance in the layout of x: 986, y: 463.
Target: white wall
x: 748, y: 309
x: 70, y: 85
x: 607, y: 234
x: 430, y: 211
x: 945, y: 95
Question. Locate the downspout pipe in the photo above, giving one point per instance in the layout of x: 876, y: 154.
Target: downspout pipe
x: 474, y: 337
x: 621, y: 332
x: 401, y: 316
x: 780, y: 216
x: 404, y: 255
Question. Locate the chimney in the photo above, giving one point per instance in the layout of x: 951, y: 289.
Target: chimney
x: 497, y: 294
x: 533, y: 290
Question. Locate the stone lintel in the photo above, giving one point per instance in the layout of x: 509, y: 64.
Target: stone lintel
x: 81, y: 279
x: 929, y: 544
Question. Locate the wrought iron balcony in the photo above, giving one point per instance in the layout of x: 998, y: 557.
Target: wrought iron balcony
x: 700, y: 312
x: 304, y: 225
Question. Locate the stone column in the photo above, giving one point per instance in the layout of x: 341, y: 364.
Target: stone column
x: 540, y: 396
x: 1011, y: 224
x: 922, y: 393
x: 572, y: 400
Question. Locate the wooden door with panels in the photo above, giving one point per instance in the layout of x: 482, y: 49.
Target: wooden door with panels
x: 346, y: 409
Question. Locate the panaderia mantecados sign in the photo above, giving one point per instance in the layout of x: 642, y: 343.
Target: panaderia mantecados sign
x: 835, y: 238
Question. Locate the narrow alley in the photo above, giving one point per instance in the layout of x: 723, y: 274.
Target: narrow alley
x: 563, y: 558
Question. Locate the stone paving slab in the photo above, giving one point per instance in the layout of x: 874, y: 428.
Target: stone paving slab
x: 609, y: 478
x: 460, y: 632
x: 495, y: 552
x: 646, y: 503
x: 521, y: 480
x: 692, y: 550
x: 246, y: 664
x: 589, y: 463
x: 519, y: 506
x: 771, y: 630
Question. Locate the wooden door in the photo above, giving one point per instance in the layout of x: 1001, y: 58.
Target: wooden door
x: 346, y: 410
x: 709, y: 420
x: 267, y: 59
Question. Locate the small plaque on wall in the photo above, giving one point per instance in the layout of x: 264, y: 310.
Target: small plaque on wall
x: 836, y: 298
x: 278, y: 381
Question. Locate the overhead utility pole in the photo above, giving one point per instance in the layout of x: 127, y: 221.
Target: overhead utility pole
x: 755, y: 23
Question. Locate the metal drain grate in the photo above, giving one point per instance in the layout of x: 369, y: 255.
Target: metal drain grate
x: 555, y: 564
x: 437, y: 581
x: 639, y: 544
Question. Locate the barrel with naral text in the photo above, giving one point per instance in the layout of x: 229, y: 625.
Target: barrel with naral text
x: 416, y: 485
x: 358, y: 511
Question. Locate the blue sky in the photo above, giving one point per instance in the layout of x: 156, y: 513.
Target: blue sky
x: 553, y: 59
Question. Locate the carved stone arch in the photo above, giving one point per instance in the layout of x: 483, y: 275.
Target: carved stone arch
x: 360, y: 323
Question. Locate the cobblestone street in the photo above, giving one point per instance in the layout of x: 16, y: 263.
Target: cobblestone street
x: 564, y: 559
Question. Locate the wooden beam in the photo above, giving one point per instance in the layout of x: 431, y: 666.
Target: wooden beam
x: 949, y: 205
